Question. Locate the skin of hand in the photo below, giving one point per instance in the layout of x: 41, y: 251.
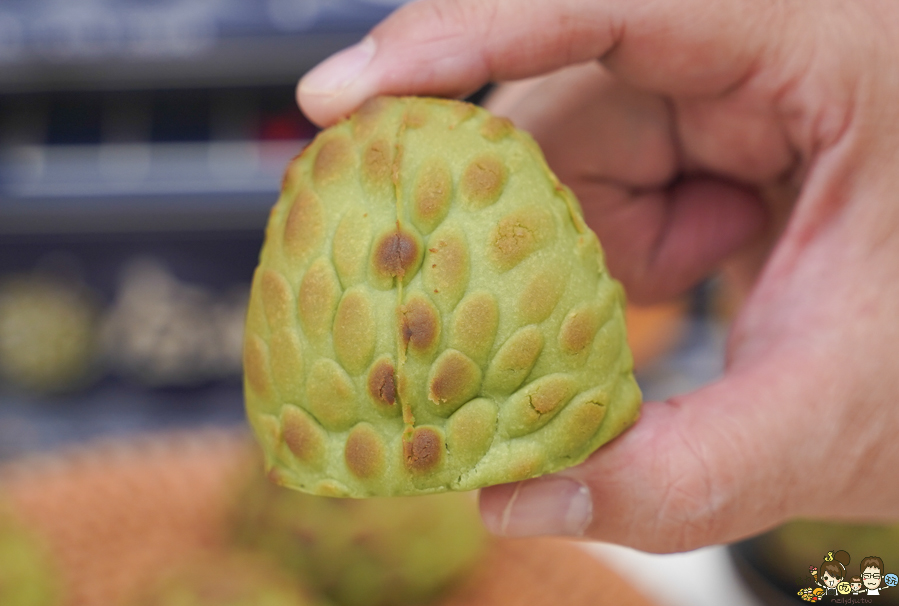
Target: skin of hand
x: 757, y: 134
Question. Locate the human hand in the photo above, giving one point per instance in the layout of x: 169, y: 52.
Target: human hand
x: 674, y: 146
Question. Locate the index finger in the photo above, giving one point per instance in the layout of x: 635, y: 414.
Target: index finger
x: 452, y: 47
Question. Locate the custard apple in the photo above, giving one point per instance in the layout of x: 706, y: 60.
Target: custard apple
x: 430, y: 311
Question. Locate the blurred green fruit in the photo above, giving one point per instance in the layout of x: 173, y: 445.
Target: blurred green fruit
x: 27, y: 576
x: 231, y: 579
x: 48, y: 334
x: 371, y: 552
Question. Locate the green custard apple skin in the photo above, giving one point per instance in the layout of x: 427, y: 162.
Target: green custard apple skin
x: 430, y: 312
x: 364, y: 552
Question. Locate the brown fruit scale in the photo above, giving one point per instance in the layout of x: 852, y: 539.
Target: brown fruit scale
x: 430, y: 311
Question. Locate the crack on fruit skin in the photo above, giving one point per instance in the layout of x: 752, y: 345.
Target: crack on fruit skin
x: 474, y: 468
x: 407, y: 332
x: 408, y: 417
x: 419, y: 326
x: 387, y: 394
x: 515, y: 232
x: 424, y: 450
x: 397, y: 253
x: 534, y: 408
x: 403, y: 343
x: 382, y: 383
x: 520, y: 234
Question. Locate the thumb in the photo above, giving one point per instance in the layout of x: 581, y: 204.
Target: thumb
x: 706, y: 468
x: 453, y: 47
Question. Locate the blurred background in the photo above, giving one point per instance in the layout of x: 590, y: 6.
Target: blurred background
x: 142, y: 144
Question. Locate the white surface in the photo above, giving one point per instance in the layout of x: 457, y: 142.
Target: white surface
x: 705, y: 577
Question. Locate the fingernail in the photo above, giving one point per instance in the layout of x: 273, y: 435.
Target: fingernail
x: 553, y: 505
x: 338, y: 71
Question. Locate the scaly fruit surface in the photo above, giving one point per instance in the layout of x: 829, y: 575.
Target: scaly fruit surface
x: 430, y: 311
